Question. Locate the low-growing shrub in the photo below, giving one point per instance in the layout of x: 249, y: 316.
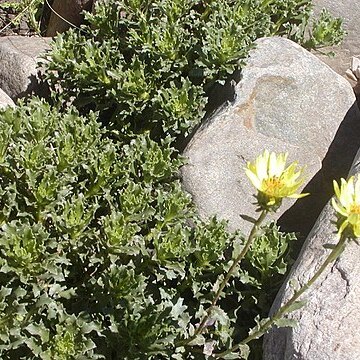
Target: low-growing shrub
x: 149, y: 64
x: 102, y: 253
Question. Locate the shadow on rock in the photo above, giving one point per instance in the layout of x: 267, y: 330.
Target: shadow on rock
x: 301, y: 217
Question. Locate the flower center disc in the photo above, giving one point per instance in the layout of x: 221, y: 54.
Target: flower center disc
x: 273, y: 185
x: 355, y: 209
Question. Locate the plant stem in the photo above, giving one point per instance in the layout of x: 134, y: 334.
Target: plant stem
x: 230, y: 272
x: 336, y: 251
x: 17, y: 17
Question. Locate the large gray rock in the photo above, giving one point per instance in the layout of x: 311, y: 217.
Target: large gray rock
x: 18, y: 64
x: 349, y: 11
x: 287, y: 101
x: 5, y: 100
x: 328, y: 325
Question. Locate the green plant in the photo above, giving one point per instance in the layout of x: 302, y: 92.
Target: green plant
x: 148, y: 65
x: 102, y: 254
x: 28, y: 10
x: 326, y: 31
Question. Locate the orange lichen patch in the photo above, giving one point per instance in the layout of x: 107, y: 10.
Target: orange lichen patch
x: 248, y: 123
x: 247, y: 112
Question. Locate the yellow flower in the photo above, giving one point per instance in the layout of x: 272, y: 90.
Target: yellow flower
x: 272, y: 180
x: 347, y: 204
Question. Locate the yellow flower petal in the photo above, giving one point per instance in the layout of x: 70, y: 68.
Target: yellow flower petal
x: 347, y: 204
x: 253, y: 178
x: 336, y: 189
x: 356, y: 229
x: 337, y: 208
x: 342, y: 227
x: 298, y: 196
x: 261, y: 166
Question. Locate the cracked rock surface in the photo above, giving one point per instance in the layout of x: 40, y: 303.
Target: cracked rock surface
x: 328, y: 325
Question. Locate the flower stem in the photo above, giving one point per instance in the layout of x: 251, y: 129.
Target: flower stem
x: 336, y: 251
x: 230, y: 272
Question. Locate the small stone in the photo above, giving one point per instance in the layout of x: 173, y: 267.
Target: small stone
x: 5, y: 100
